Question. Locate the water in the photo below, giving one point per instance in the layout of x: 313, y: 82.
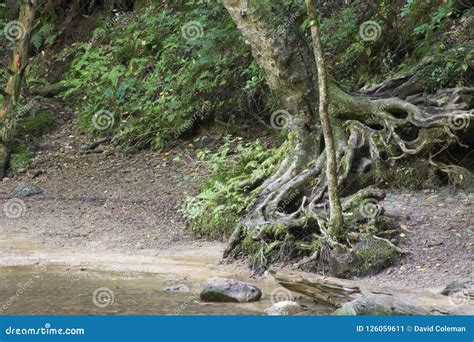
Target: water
x: 40, y: 280
x: 58, y: 290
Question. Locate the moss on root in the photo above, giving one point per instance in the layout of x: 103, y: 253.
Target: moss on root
x: 412, y: 173
x: 368, y: 256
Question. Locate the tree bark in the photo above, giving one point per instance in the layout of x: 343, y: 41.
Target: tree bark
x: 336, y: 220
x: 11, y: 94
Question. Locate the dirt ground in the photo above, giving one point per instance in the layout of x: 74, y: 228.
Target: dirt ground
x: 105, y: 201
x: 114, y: 202
x: 437, y: 230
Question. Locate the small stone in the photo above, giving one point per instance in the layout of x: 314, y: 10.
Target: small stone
x: 176, y: 288
x: 285, y: 308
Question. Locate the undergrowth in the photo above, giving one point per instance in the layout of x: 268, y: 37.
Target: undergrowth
x: 162, y: 71
x: 29, y: 128
x: 237, y: 169
x: 408, y: 32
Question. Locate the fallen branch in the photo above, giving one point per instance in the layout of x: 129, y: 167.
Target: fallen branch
x: 95, y: 144
x: 49, y: 90
x: 355, y: 297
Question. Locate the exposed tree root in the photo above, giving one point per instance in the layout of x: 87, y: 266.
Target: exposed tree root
x: 291, y: 209
x: 375, y: 127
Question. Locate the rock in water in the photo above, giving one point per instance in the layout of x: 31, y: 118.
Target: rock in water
x: 229, y: 290
x: 24, y: 190
x: 176, y: 288
x: 285, y: 308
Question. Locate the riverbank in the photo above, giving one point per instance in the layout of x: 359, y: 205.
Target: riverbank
x: 116, y: 217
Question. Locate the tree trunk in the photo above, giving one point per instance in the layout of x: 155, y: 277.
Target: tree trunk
x: 354, y: 297
x: 21, y: 36
x: 367, y: 131
x: 336, y: 220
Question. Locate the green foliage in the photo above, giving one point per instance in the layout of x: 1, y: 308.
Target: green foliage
x: 421, y: 18
x: 418, y: 31
x: 20, y: 158
x: 237, y: 169
x: 444, y: 72
x: 162, y: 71
x: 29, y: 127
x: 348, y: 54
x: 44, y: 37
x: 35, y: 124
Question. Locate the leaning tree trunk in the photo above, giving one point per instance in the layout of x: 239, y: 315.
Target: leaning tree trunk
x: 19, y: 33
x: 368, y: 130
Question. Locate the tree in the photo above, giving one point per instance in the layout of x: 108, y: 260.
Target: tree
x: 336, y: 220
x: 369, y: 130
x: 19, y: 32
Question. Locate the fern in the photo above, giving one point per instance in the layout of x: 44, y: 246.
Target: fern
x: 237, y: 169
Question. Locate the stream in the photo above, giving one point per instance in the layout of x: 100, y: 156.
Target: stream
x: 38, y: 280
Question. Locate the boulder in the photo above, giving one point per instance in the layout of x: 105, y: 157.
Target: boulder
x: 285, y: 308
x: 229, y: 290
x: 24, y: 190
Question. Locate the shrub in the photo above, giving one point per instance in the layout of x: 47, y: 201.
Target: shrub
x: 237, y: 169
x: 163, y: 71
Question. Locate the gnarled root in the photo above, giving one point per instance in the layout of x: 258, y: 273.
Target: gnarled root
x: 289, y: 218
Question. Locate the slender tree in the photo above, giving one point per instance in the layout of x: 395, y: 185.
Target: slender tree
x: 336, y: 220
x: 20, y: 33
